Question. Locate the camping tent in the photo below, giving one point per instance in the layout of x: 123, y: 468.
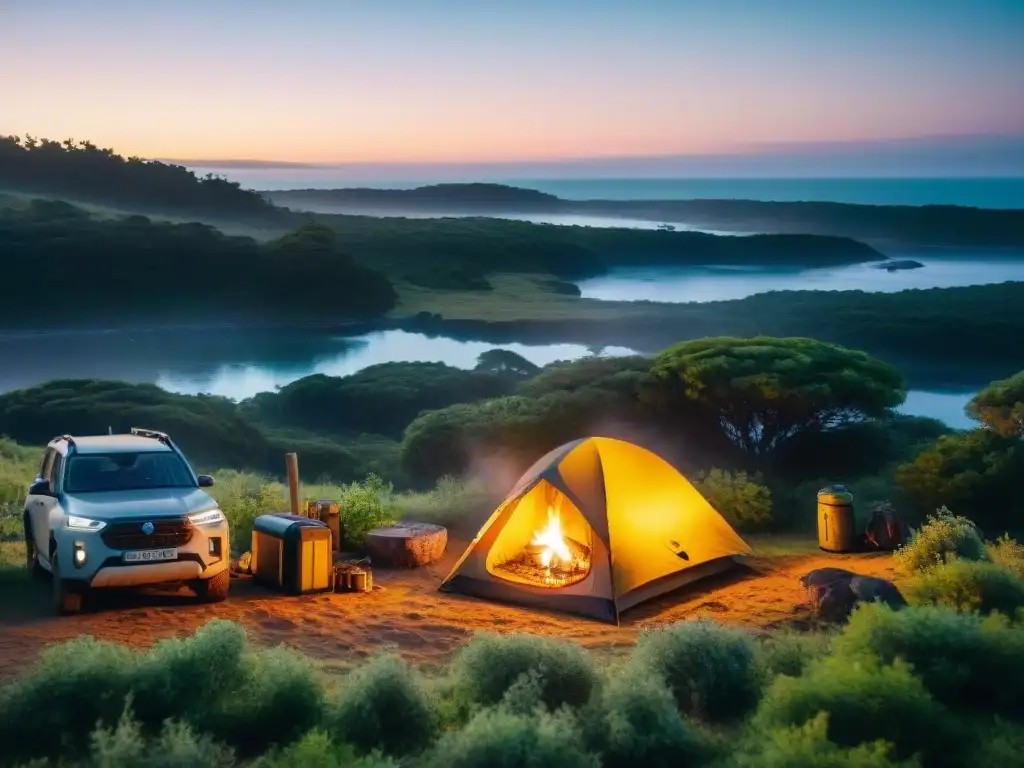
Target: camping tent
x: 593, y: 528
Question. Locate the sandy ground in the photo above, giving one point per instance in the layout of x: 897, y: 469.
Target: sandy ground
x: 405, y: 612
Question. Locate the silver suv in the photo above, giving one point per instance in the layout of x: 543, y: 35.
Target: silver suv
x: 123, y: 511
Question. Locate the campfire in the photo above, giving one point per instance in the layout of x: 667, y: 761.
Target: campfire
x: 551, y: 559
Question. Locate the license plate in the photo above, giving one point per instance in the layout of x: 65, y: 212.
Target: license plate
x: 150, y: 555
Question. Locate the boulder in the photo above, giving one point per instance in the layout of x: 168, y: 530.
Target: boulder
x: 406, y: 545
x: 834, y: 592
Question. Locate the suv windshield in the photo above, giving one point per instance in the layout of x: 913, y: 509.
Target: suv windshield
x: 126, y: 472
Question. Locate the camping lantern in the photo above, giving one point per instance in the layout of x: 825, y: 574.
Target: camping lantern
x: 835, y: 520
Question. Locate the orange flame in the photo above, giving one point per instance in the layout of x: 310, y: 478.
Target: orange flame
x: 556, y: 550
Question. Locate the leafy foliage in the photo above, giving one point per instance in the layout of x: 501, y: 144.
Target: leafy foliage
x: 1000, y: 406
x: 764, y: 391
x: 741, y: 499
x: 975, y: 473
x: 965, y: 661
x: 489, y: 665
x: 969, y: 586
x: 710, y: 669
x: 177, y: 745
x: 943, y: 537
x: 202, y: 274
x: 384, y: 706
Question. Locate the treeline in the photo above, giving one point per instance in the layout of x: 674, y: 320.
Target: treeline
x: 62, y: 267
x: 796, y: 413
x: 83, y: 171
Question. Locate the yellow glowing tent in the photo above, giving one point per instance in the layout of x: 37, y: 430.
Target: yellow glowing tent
x: 593, y: 528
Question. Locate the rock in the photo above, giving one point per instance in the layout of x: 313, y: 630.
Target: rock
x: 406, y: 545
x: 892, y: 265
x: 823, y: 576
x: 834, y: 592
x: 869, y: 589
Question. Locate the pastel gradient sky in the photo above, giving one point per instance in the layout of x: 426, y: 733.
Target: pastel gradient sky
x: 504, y: 80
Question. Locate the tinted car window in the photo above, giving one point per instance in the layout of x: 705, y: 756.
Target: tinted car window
x: 126, y: 472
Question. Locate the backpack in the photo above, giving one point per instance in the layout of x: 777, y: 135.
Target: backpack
x: 885, y: 531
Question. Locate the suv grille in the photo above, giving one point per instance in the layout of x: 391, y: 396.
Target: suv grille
x: 129, y: 534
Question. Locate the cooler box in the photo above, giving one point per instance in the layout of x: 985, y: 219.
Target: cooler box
x: 292, y: 553
x: 836, y: 530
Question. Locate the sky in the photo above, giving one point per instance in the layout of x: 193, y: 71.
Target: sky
x: 509, y: 81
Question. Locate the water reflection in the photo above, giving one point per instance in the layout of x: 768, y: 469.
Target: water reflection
x: 722, y: 283
x: 947, y: 407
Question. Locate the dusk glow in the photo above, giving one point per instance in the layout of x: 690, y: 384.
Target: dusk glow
x: 469, y: 80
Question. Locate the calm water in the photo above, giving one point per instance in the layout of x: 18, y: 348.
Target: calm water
x: 724, y: 283
x: 981, y: 193
x: 239, y: 364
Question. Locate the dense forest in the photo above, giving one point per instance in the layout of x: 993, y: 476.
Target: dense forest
x: 80, y: 170
x: 64, y: 267
x: 796, y: 413
x: 921, y: 225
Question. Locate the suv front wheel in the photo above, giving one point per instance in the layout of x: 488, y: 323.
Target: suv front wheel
x: 214, y: 590
x: 68, y: 596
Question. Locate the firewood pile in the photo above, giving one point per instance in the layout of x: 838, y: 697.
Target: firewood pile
x: 529, y: 565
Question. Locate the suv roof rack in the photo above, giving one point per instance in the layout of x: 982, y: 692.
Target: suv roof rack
x: 163, y: 437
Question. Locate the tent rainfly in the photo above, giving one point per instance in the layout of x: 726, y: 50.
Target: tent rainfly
x: 593, y: 528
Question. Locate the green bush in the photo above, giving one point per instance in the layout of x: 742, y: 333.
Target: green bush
x: 54, y: 707
x: 711, y: 670
x: 965, y: 661
x: 635, y: 721
x: 363, y: 508
x: 807, y: 746
x: 243, y: 497
x: 968, y: 586
x: 385, y: 706
x: 865, y: 702
x: 789, y: 653
x: 1009, y: 554
x: 317, y: 750
x: 942, y: 538
x: 489, y: 665
x: 176, y: 746
x: 185, y: 679
x: 275, y: 700
x: 498, y: 738
x: 741, y: 499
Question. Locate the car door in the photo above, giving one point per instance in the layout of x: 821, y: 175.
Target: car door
x: 41, y: 506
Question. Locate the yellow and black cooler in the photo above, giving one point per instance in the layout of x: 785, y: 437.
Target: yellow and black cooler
x: 292, y: 553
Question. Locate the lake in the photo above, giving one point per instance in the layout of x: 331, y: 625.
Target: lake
x: 241, y: 363
x: 945, y: 269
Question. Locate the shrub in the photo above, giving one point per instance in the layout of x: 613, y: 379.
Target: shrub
x: 968, y: 586
x: 807, y: 746
x: 363, y: 508
x: 635, y: 722
x: 384, y: 705
x: 317, y: 750
x: 185, y: 679
x: 711, y: 670
x: 55, y: 706
x: 489, y: 665
x: 243, y: 497
x: 789, y: 653
x: 1009, y: 554
x: 964, y: 660
x: 999, y: 744
x: 865, y: 702
x: 742, y: 500
x: 177, y: 746
x: 276, y: 700
x: 497, y: 738
x: 943, y: 537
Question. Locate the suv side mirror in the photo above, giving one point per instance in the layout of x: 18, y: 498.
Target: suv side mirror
x: 205, y: 481
x: 40, y: 487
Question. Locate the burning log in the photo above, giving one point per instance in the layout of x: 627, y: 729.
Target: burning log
x: 537, y: 565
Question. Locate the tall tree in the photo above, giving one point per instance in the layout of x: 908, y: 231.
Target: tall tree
x: 1000, y: 406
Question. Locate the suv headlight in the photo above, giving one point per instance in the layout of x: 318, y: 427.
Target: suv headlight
x: 85, y: 523
x: 213, y: 517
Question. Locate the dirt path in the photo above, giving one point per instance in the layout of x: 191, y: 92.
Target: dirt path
x: 405, y: 612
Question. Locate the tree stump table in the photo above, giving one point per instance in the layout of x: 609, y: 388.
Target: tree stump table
x: 406, y: 545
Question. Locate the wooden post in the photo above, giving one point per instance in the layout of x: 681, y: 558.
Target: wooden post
x: 291, y: 461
